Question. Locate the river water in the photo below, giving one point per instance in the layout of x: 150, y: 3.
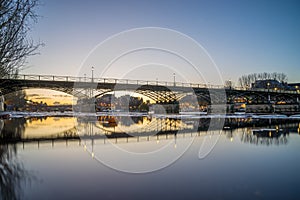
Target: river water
x: 149, y: 157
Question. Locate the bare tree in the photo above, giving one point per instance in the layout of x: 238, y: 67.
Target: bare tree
x: 16, y: 17
x: 282, y: 77
x: 245, y: 81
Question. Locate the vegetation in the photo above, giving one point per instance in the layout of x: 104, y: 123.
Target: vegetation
x: 16, y: 99
x: 16, y: 17
x: 245, y: 81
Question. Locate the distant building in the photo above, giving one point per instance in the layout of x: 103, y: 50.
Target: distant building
x: 295, y: 86
x: 124, y: 103
x: 271, y: 84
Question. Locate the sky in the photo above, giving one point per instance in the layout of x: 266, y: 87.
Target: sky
x: 50, y: 97
x: 240, y: 36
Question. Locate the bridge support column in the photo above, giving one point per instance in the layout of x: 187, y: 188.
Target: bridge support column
x: 298, y: 104
x: 2, y: 100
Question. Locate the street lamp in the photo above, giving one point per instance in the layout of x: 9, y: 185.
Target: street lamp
x: 268, y: 84
x: 92, y: 74
x: 174, y: 79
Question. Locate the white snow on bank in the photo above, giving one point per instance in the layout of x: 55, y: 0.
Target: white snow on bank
x: 295, y: 116
x: 189, y: 115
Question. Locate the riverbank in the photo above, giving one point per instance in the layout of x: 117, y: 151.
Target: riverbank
x: 17, y: 114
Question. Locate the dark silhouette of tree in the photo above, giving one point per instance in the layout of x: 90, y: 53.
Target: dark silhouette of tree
x: 16, y: 99
x: 245, y: 81
x: 16, y: 17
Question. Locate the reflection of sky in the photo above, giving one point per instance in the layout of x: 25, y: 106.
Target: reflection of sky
x: 48, y: 127
x: 241, y: 36
x: 233, y: 170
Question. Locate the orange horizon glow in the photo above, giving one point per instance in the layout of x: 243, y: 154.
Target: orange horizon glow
x: 50, y: 97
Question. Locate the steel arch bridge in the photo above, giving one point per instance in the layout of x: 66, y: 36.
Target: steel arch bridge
x: 156, y: 90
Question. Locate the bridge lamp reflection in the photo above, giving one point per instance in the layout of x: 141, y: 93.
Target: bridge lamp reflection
x: 93, y: 154
x: 175, y: 142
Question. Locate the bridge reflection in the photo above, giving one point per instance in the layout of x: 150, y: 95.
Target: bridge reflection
x: 125, y: 129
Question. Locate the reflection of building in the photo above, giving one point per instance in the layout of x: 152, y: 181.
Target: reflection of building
x: 265, y: 137
x: 269, y: 133
x: 107, y: 121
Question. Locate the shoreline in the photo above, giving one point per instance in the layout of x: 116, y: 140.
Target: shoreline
x: 195, y: 115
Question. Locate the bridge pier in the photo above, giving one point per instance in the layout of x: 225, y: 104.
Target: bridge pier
x: 298, y: 104
x: 2, y: 100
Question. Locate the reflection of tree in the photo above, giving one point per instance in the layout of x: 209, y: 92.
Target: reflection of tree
x: 11, y: 171
x: 13, y: 129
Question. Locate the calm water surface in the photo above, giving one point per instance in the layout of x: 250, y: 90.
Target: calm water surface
x: 47, y: 160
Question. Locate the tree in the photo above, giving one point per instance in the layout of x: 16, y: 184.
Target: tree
x: 16, y: 17
x: 16, y: 99
x: 245, y: 81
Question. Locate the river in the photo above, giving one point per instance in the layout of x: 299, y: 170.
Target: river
x: 140, y: 156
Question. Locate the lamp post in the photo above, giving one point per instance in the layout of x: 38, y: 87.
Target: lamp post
x: 269, y: 99
x: 174, y: 77
x: 92, y: 74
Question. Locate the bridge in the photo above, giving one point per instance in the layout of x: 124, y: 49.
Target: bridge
x: 159, y: 91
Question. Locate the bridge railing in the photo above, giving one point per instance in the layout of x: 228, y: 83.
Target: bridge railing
x: 134, y: 82
x: 107, y: 80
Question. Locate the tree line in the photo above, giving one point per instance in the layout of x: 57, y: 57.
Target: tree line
x: 245, y: 81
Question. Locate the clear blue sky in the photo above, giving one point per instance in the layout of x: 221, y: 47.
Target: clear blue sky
x: 241, y: 36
